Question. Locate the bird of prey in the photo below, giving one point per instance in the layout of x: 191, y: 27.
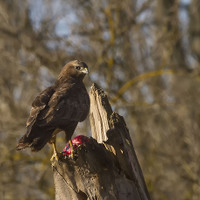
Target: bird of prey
x: 58, y: 108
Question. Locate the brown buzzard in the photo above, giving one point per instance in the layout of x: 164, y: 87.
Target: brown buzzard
x: 59, y: 107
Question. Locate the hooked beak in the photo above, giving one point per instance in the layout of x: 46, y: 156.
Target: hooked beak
x: 85, y: 70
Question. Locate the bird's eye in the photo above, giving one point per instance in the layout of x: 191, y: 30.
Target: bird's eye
x: 78, y: 67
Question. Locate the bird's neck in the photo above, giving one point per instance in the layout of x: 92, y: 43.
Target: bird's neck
x: 69, y: 80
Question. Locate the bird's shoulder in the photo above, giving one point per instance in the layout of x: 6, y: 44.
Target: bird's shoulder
x: 43, y: 98
x: 61, y: 91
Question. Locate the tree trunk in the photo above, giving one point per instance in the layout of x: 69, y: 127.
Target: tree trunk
x: 194, y: 29
x: 105, y: 168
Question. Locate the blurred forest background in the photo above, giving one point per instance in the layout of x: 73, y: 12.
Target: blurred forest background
x: 144, y: 53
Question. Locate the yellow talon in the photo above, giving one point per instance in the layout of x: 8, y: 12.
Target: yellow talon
x: 72, y: 149
x: 55, y: 154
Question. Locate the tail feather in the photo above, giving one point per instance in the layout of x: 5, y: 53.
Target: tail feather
x: 35, y: 139
x: 21, y: 146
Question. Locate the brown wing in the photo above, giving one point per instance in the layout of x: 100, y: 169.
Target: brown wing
x: 34, y: 134
x: 40, y: 102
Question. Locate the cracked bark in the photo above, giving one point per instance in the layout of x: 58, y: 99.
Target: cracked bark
x: 107, y: 166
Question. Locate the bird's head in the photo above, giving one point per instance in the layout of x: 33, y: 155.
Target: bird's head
x: 74, y: 70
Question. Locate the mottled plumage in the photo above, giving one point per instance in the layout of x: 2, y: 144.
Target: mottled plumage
x: 59, y: 107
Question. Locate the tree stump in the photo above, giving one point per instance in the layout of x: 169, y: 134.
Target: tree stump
x: 106, y: 167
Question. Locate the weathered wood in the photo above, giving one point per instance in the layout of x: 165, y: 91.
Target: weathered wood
x: 105, y: 168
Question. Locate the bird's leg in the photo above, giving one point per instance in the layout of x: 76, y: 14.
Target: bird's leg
x: 72, y: 149
x: 55, y: 153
